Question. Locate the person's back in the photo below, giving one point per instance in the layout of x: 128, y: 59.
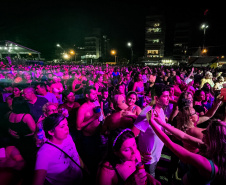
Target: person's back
x: 17, y: 127
x: 21, y: 128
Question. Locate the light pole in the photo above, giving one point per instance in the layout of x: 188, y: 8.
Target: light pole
x: 129, y: 44
x: 72, y: 52
x: 204, y: 27
x: 113, y: 52
x: 59, y: 46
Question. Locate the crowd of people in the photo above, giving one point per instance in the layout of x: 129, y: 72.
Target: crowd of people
x: 110, y: 125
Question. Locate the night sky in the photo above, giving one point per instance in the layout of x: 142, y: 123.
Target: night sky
x: 40, y: 25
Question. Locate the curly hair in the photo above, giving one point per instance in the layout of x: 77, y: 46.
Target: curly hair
x: 182, y: 99
x: 183, y: 119
x: 44, y: 108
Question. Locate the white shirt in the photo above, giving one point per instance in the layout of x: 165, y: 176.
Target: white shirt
x: 148, y: 141
x: 61, y: 170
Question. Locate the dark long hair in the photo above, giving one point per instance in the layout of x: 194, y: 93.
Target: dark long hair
x: 217, y: 146
x: 51, y: 122
x: 20, y: 106
x: 111, y: 157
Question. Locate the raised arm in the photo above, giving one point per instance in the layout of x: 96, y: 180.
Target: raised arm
x: 200, y: 162
x: 30, y: 122
x: 180, y: 134
x: 191, y: 73
x: 211, y: 111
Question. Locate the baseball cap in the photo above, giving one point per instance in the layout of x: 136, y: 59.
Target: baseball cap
x: 119, y: 100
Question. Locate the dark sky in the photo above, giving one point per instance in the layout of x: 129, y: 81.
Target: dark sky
x: 41, y: 24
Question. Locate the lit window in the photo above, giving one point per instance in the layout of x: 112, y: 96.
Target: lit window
x: 178, y: 45
x: 153, y: 52
x: 153, y: 30
x: 153, y: 40
x: 156, y: 24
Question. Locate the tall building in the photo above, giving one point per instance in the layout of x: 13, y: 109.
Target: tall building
x: 181, y: 44
x: 96, y: 47
x: 154, y: 38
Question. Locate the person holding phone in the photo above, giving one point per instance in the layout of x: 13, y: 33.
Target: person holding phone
x: 149, y: 144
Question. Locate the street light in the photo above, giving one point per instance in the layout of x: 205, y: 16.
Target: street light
x: 66, y: 56
x: 129, y: 44
x: 72, y: 52
x: 113, y: 52
x: 59, y: 46
x: 204, y: 27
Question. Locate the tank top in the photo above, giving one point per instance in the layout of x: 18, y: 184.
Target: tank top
x: 140, y: 89
x: 120, y: 180
x: 21, y: 128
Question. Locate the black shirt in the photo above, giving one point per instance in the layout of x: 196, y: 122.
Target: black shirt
x: 36, y: 108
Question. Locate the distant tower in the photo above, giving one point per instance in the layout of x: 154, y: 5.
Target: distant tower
x: 154, y: 37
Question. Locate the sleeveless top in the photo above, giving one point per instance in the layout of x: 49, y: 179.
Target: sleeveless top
x: 20, y: 129
x: 193, y: 176
x: 140, y: 89
x: 120, y: 180
x: 24, y: 140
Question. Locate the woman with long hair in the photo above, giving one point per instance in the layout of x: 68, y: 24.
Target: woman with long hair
x: 131, y: 99
x: 22, y: 127
x: 138, y: 87
x: 207, y: 166
x: 199, y: 97
x: 119, y: 166
x: 99, y: 85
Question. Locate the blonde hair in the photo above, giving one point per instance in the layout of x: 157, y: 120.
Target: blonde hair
x: 44, y: 108
x: 183, y: 119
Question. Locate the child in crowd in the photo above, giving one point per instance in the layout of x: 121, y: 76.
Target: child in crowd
x: 105, y: 102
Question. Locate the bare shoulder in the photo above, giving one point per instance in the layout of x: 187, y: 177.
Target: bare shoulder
x: 27, y: 117
x: 195, y: 132
x: 83, y: 106
x: 138, y: 108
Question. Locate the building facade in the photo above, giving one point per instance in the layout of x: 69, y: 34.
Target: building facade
x: 154, y: 38
x: 96, y: 47
x: 181, y: 41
